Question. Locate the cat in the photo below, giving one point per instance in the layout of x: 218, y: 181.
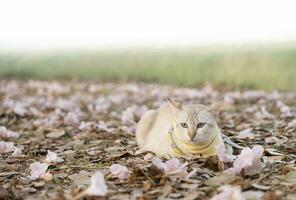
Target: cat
x: 177, y: 130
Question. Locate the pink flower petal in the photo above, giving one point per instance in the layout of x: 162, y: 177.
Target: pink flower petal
x: 249, y: 160
x: 37, y: 170
x: 247, y: 133
x: 17, y: 152
x: 284, y: 108
x: 6, y: 147
x: 98, y: 186
x: 71, y: 119
x: 229, y: 193
x: 171, y: 167
x: 86, y: 126
x: 131, y: 114
x: 223, y: 156
x: 5, y: 133
x: 172, y: 164
x: 157, y: 162
x: 52, y: 157
x: 120, y: 171
x: 102, y: 126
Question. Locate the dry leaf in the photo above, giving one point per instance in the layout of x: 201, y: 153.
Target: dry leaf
x: 221, y: 179
x: 253, y: 195
x: 81, y: 178
x: 246, y: 134
x: 290, y: 177
x: 56, y: 134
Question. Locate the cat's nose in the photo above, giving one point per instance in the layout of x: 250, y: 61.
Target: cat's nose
x: 191, y: 134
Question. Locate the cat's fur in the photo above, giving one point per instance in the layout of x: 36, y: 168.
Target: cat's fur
x: 154, y: 126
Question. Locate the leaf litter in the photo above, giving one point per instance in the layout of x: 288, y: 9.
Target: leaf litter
x: 59, y: 140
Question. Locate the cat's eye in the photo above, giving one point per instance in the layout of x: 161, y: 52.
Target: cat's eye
x: 184, y: 125
x: 200, y: 125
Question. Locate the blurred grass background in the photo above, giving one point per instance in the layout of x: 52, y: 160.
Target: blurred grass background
x: 265, y: 67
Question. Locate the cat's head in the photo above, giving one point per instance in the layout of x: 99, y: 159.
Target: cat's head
x: 194, y: 123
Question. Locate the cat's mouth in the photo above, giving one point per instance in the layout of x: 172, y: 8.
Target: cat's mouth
x: 197, y: 147
x: 193, y: 146
x: 199, y: 141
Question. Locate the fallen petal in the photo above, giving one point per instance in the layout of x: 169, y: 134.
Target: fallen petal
x: 120, y: 171
x: 223, y: 156
x: 249, y: 160
x: 53, y: 157
x: 229, y: 193
x: 37, y: 170
x: 5, y: 133
x: 97, y: 186
x: 6, y: 147
x: 171, y: 167
x: 247, y: 133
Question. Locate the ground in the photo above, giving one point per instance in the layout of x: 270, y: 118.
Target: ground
x: 91, y: 126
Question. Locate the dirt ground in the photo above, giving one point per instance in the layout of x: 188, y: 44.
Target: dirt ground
x: 91, y: 126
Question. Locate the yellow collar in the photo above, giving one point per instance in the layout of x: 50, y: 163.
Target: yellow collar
x: 174, y: 145
x: 189, y: 147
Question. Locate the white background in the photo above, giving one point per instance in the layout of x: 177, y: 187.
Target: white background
x: 56, y: 24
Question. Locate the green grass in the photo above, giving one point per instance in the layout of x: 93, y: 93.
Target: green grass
x: 261, y: 67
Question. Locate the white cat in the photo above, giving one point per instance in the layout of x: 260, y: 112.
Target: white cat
x: 176, y: 130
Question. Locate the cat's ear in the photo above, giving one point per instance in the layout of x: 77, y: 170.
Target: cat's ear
x: 175, y: 105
